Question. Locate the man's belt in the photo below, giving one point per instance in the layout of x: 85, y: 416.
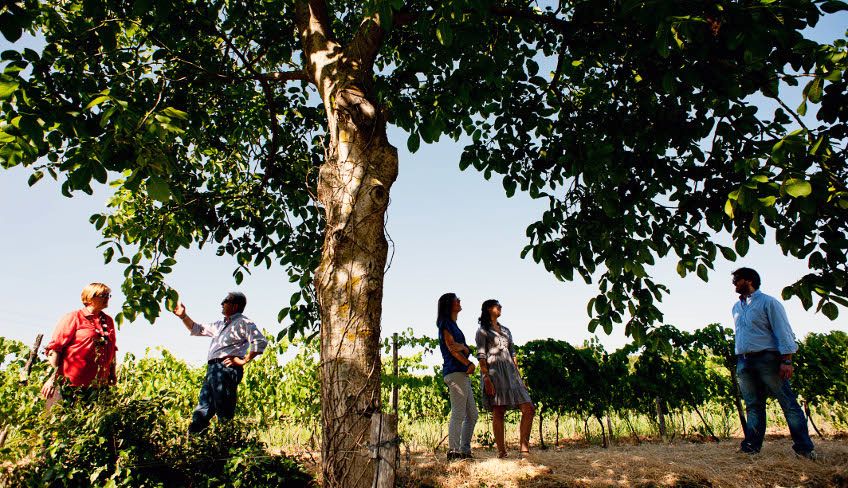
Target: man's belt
x: 749, y: 355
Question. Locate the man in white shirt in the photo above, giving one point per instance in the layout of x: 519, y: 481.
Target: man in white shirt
x: 235, y: 342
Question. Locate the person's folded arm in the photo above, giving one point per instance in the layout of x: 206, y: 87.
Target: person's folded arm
x: 455, y: 348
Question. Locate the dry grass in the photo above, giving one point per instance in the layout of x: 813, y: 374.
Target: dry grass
x: 679, y: 464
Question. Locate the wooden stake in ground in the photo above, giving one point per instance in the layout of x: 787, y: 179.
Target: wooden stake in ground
x: 661, y: 418
x: 384, y: 449
x: 395, y: 372
x: 33, y: 353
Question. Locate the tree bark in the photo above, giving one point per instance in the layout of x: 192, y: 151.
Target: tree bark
x: 354, y: 189
x: 556, y: 438
x: 632, y: 429
x: 706, y: 425
x: 810, y: 416
x: 541, y: 437
x: 354, y: 182
x: 603, y: 432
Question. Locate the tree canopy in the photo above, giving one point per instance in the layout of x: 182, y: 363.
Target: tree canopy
x: 632, y: 119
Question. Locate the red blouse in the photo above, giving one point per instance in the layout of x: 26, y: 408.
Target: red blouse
x: 86, y: 347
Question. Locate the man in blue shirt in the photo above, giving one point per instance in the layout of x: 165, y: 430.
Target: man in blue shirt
x: 764, y: 348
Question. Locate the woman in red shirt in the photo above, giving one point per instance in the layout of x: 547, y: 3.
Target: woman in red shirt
x: 82, y: 351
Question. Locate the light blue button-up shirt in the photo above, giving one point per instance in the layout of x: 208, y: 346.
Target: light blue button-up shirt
x: 233, y: 337
x: 762, y: 325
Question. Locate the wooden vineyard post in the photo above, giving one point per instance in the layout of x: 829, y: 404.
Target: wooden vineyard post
x: 395, y: 373
x: 384, y: 448
x: 33, y: 353
x: 661, y: 418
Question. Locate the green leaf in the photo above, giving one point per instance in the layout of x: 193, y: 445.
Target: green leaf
x: 283, y: 314
x: 9, y: 27
x: 444, y: 34
x: 703, y: 273
x: 29, y: 127
x: 768, y: 201
x: 830, y: 311
x: 414, y: 142
x: 833, y: 6
x: 802, y: 109
x: 814, y: 90
x: 158, y: 189
x: 728, y: 207
x: 817, y: 145
x: 742, y: 245
x: 177, y: 114
x: 509, y: 185
x: 797, y: 188
x: 8, y: 85
x: 727, y: 253
x: 33, y: 178
x: 96, y: 101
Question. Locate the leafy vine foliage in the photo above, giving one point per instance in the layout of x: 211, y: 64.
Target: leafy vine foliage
x: 136, y: 434
x: 678, y: 370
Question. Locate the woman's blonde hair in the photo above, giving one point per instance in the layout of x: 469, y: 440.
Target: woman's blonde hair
x: 93, y: 289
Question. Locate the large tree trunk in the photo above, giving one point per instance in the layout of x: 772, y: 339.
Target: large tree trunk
x: 354, y: 189
x: 353, y: 186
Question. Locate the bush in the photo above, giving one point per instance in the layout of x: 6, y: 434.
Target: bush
x: 116, y: 441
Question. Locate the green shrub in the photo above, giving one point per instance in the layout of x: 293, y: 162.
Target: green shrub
x: 116, y: 441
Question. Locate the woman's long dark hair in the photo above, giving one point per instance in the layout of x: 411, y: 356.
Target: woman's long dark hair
x: 485, y: 319
x: 445, y: 308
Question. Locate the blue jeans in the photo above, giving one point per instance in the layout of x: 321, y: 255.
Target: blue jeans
x: 758, y: 378
x: 217, y: 396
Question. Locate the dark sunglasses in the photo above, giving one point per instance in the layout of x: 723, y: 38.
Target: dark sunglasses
x: 104, y: 295
x: 226, y: 302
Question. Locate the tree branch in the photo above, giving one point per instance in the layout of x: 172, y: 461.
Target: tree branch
x: 405, y: 17
x: 551, y: 20
x: 313, y: 22
x: 282, y: 76
x: 368, y: 38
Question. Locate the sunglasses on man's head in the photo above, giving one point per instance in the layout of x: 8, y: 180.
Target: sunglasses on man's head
x: 104, y: 295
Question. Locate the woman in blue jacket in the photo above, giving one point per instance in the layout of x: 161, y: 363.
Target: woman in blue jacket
x: 455, y: 369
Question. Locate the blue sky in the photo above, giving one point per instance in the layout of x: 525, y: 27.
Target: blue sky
x: 452, y: 230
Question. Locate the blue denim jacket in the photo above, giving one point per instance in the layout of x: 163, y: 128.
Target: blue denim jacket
x: 761, y: 324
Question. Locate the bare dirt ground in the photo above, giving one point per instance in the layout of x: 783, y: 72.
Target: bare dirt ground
x: 678, y: 464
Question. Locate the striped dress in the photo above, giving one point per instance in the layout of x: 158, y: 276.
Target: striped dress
x: 498, y: 350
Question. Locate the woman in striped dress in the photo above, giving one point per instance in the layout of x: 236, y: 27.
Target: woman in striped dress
x: 503, y: 388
